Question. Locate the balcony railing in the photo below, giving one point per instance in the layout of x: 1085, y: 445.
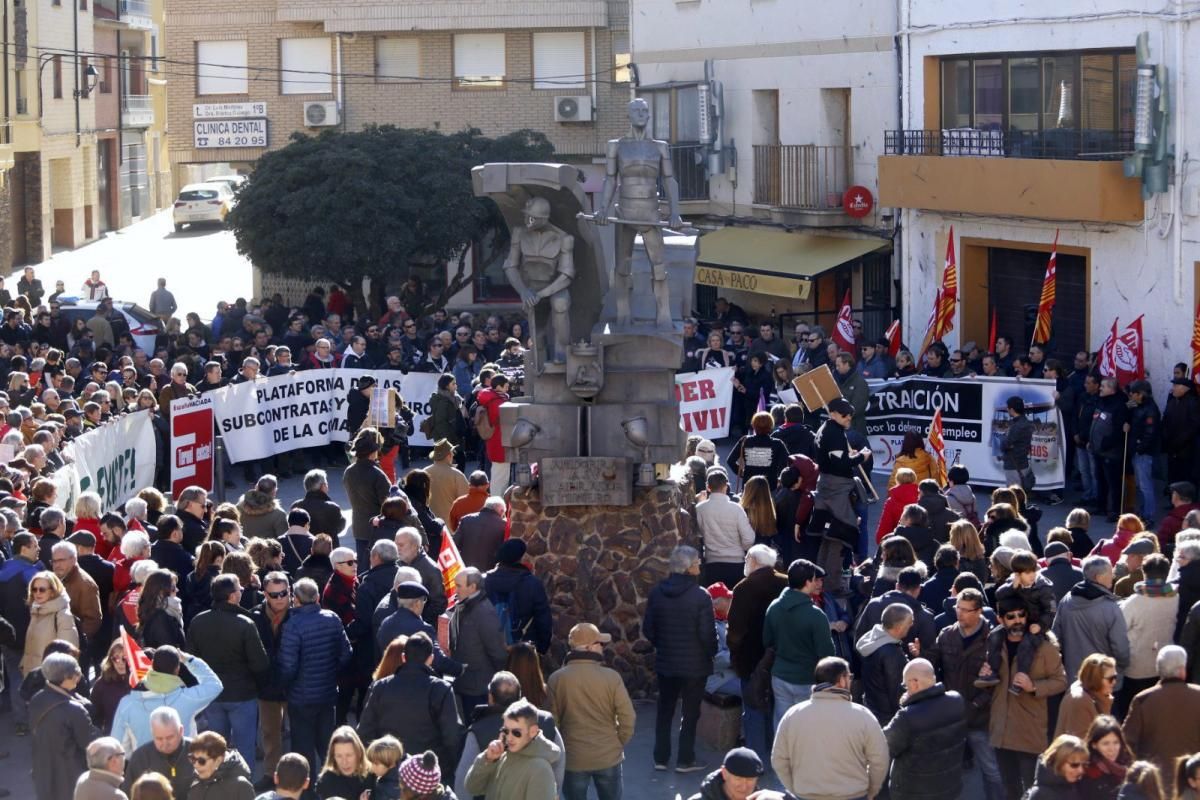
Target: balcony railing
x: 135, y: 13
x: 691, y: 170
x: 1068, y: 144
x: 137, y: 110
x: 807, y: 176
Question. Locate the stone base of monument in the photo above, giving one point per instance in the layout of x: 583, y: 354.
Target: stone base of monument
x: 599, y: 564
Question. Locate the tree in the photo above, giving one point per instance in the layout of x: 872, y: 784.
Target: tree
x: 370, y: 204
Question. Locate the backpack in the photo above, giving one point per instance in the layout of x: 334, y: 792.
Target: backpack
x: 483, y: 423
x: 513, y: 631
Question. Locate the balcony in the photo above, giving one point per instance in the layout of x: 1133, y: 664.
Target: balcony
x: 1060, y: 174
x: 801, y: 183
x: 137, y: 111
x: 365, y: 16
x: 132, y: 14
x: 691, y: 171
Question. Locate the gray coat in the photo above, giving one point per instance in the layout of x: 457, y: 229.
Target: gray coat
x: 366, y: 488
x: 477, y: 641
x: 1089, y: 620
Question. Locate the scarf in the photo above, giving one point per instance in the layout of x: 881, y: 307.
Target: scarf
x: 175, y: 607
x: 1100, y: 766
x: 1152, y: 587
x: 161, y: 682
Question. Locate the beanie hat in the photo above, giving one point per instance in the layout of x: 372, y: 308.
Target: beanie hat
x: 421, y: 774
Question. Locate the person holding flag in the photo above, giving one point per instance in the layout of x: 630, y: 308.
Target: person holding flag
x: 161, y: 685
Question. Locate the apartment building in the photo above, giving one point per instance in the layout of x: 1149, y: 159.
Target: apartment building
x: 265, y: 69
x: 1013, y: 131
x: 776, y: 120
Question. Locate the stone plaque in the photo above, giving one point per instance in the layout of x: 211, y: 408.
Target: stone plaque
x: 586, y: 482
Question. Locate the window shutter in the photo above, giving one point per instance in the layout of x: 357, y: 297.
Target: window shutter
x: 558, y: 60
x: 222, y: 68
x: 479, y: 59
x: 307, y: 66
x: 397, y: 59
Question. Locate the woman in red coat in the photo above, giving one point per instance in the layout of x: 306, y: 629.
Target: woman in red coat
x: 899, y: 496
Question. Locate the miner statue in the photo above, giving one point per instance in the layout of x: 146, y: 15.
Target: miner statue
x: 635, y: 163
x: 541, y: 267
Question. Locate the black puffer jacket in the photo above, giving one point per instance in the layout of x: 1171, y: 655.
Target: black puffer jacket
x: 325, y: 516
x: 921, y: 539
x: 229, y: 782
x: 417, y: 708
x: 526, y: 598
x: 958, y: 663
x: 926, y: 742
x: 883, y: 661
x: 226, y: 638
x: 1049, y: 785
x: 680, y: 624
x: 373, y: 586
x: 941, y: 517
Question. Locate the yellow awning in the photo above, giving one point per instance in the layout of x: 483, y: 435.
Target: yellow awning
x: 773, y: 262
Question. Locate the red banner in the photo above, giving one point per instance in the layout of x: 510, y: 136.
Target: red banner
x: 843, y: 329
x: 451, y: 563
x: 1122, y: 356
x: 135, y: 658
x: 192, y: 447
x: 893, y: 337
x: 1041, y: 330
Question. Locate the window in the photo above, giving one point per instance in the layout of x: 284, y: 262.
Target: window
x: 558, y: 60
x: 307, y: 66
x: 397, y: 59
x: 57, y: 77
x: 221, y: 68
x: 84, y: 91
x: 479, y: 60
x: 83, y: 5
x: 105, y: 75
x: 621, y: 57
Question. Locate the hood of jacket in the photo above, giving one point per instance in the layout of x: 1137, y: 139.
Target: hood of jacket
x: 231, y: 767
x: 933, y: 503
x: 256, y: 503
x: 1047, y: 778
x: 963, y: 494
x: 540, y: 747
x: 505, y: 577
x: 677, y: 583
x: 489, y: 396
x: 791, y: 599
x: 808, y: 469
x: 1089, y: 592
x: 50, y: 607
x: 874, y: 639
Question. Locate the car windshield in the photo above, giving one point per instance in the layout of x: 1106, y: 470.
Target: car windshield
x: 140, y: 314
x: 198, y: 194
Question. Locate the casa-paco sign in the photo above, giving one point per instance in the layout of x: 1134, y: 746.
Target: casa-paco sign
x: 752, y: 282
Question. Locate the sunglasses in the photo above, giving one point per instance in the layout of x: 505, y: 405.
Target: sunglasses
x: 513, y: 732
x: 1015, y: 615
x: 198, y: 760
x: 41, y: 589
x: 813, y: 340
x: 1110, y: 678
x: 278, y: 595
x: 1077, y: 764
x: 956, y: 361
x: 351, y: 561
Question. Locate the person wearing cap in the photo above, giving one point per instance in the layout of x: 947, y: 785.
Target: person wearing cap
x: 1129, y: 567
x: 679, y: 623
x: 1183, y: 502
x: 415, y: 706
x: 737, y: 778
x: 1060, y: 570
x: 446, y: 482
x: 874, y: 361
x: 926, y: 736
x: 1145, y: 442
x: 514, y: 583
x: 594, y: 713
x: 407, y: 602
x: 834, y: 519
x: 1016, y: 444
x: 366, y: 488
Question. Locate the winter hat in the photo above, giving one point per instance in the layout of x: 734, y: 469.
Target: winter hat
x: 421, y: 774
x: 1004, y: 556
x: 742, y: 762
x: 511, y: 552
x: 1056, y: 549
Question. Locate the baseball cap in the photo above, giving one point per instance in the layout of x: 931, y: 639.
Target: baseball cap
x: 585, y: 634
x: 1056, y: 549
x: 1138, y: 547
x: 82, y: 539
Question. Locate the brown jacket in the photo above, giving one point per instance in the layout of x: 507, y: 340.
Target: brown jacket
x: 747, y: 614
x: 1019, y: 722
x: 594, y: 713
x: 1078, y: 709
x: 1155, y: 725
x: 85, y: 600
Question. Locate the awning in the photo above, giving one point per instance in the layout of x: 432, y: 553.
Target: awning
x: 774, y: 262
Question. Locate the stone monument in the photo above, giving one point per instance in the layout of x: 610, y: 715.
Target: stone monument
x: 599, y: 426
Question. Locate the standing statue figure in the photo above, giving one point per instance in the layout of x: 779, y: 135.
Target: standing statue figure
x: 541, y: 266
x: 635, y: 163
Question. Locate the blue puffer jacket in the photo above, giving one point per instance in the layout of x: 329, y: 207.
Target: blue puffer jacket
x: 314, y: 649
x: 679, y: 623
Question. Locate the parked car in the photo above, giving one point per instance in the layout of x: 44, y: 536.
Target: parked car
x: 232, y: 181
x: 130, y: 318
x: 202, y: 202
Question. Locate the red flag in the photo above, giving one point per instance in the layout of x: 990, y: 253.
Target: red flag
x: 939, y: 447
x: 992, y: 333
x: 1196, y: 346
x: 1105, y: 363
x: 1041, y: 330
x: 949, y: 300
x: 1128, y: 354
x: 843, y: 329
x: 135, y: 658
x: 451, y: 563
x: 893, y: 337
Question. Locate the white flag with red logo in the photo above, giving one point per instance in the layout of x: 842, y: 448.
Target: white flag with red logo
x: 843, y: 329
x: 1129, y: 354
x: 1105, y: 364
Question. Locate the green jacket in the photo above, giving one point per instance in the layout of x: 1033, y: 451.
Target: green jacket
x: 445, y: 414
x: 799, y: 632
x: 525, y: 775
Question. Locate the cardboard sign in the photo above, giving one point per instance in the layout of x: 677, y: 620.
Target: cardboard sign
x: 816, y: 388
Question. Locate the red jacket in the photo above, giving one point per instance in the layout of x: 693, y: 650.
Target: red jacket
x: 898, y: 497
x: 492, y: 400
x: 1171, y: 524
x: 809, y: 472
x: 1112, y: 548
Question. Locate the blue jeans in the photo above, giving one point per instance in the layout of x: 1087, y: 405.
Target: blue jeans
x: 608, y: 784
x: 237, y: 721
x: 12, y: 683
x: 312, y: 726
x: 1087, y: 473
x: 1143, y: 477
x: 787, y: 695
x: 985, y: 759
x: 756, y: 727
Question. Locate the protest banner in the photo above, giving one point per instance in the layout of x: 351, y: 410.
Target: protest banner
x: 116, y: 460
x: 306, y: 409
x: 974, y: 420
x: 192, y: 448
x: 704, y: 401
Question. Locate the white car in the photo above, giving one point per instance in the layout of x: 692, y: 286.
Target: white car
x: 232, y: 181
x: 143, y: 327
x: 202, y: 202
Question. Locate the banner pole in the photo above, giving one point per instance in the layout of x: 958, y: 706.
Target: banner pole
x: 219, y: 468
x: 1124, y: 455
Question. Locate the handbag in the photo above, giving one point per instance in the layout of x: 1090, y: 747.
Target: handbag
x: 758, y: 691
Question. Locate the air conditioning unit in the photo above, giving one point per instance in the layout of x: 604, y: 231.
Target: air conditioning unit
x: 573, y: 109
x: 322, y: 114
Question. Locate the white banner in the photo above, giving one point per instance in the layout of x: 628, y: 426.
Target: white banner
x: 974, y: 422
x: 117, y: 460
x: 704, y: 401
x: 306, y: 409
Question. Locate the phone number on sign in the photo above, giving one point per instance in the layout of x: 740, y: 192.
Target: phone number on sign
x: 231, y: 133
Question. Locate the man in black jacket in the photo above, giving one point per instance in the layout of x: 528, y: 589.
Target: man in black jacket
x: 925, y: 737
x: 325, y: 516
x: 373, y: 586
x: 908, y: 592
x: 269, y: 617
x: 416, y: 707
x: 166, y: 754
x: 1145, y: 442
x: 1059, y: 570
x: 680, y: 624
x: 191, y: 508
x: 834, y: 519
x: 883, y: 660
x: 226, y: 638
x: 1106, y: 441
x: 167, y: 551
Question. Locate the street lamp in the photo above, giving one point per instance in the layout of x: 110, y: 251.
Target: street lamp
x: 90, y: 78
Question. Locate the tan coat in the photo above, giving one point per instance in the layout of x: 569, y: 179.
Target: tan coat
x: 1018, y: 722
x: 47, y: 621
x: 446, y: 484
x: 1078, y: 709
x: 593, y: 711
x: 85, y: 600
x: 1161, y: 724
x: 99, y: 784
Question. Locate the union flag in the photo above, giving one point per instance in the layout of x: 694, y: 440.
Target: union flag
x: 843, y: 329
x: 1196, y: 346
x: 1041, y: 330
x: 136, y: 659
x: 451, y: 563
x: 938, y: 445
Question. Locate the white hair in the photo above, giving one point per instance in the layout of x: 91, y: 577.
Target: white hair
x: 65, y: 548
x: 166, y: 717
x: 1096, y: 566
x: 405, y: 574
x: 101, y: 750
x: 1170, y: 661
x: 385, y: 551
x: 34, y: 451
x: 141, y: 570
x: 684, y: 558
x: 497, y: 504
x: 411, y: 535
x: 179, y: 368
x: 135, y: 544
x: 762, y: 555
x: 135, y: 508
x: 1015, y: 540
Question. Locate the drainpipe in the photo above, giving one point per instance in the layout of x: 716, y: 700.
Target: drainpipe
x: 900, y: 226
x: 75, y: 70
x: 7, y: 109
x: 120, y: 111
x: 339, y: 81
x: 1177, y: 193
